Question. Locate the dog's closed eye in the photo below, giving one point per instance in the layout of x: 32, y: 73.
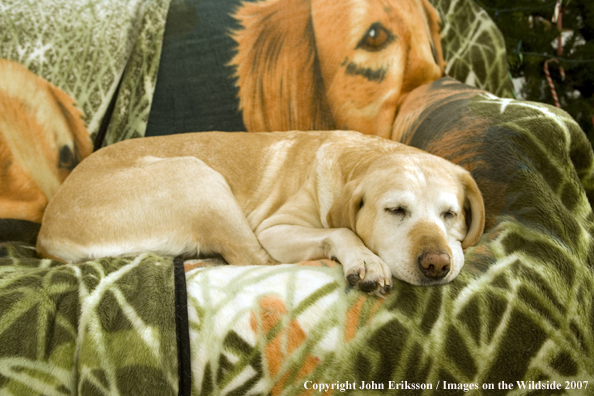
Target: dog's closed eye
x: 448, y: 215
x: 376, y: 38
x: 398, y: 211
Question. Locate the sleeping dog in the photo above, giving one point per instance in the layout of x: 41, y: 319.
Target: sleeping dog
x: 380, y: 208
x: 333, y: 64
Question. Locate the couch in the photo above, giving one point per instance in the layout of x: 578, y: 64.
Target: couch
x: 518, y: 320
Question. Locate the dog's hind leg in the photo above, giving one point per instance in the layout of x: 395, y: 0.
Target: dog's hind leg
x: 217, y: 220
x: 223, y: 228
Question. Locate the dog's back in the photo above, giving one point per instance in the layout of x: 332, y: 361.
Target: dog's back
x: 170, y: 180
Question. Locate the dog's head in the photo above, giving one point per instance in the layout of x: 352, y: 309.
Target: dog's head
x: 416, y: 213
x: 332, y: 64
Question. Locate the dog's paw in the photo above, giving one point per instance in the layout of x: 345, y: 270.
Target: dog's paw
x: 370, y: 274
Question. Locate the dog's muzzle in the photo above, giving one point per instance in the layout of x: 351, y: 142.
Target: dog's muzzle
x: 434, y: 264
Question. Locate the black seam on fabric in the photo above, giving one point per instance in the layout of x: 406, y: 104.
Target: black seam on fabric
x: 182, y: 329
x: 16, y: 230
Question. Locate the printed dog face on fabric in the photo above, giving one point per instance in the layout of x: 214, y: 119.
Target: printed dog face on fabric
x: 333, y: 64
x: 42, y: 138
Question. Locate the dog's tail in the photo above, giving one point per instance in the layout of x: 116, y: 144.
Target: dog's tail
x: 13, y: 230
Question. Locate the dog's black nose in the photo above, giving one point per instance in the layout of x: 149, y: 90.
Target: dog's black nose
x: 434, y: 264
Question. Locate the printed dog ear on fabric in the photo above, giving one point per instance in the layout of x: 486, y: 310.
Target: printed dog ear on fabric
x: 280, y: 86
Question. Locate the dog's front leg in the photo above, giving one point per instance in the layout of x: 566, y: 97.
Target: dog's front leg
x: 292, y: 244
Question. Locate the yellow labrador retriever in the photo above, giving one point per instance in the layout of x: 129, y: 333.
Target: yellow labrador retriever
x: 380, y: 208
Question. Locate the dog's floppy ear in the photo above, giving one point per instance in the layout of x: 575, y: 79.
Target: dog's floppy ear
x: 475, y: 210
x: 343, y: 212
x: 280, y: 85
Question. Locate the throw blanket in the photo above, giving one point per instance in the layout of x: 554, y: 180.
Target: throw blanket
x: 100, y: 328
x: 519, y: 318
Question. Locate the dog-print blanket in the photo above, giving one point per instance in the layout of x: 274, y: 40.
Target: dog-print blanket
x: 518, y: 320
x: 234, y: 65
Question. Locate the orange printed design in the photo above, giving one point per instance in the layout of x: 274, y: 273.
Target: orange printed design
x: 357, y: 316
x: 284, y: 338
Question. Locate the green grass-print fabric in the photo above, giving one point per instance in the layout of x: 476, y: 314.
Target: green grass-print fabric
x: 473, y: 47
x: 99, y: 328
x: 520, y: 320
x: 85, y: 47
